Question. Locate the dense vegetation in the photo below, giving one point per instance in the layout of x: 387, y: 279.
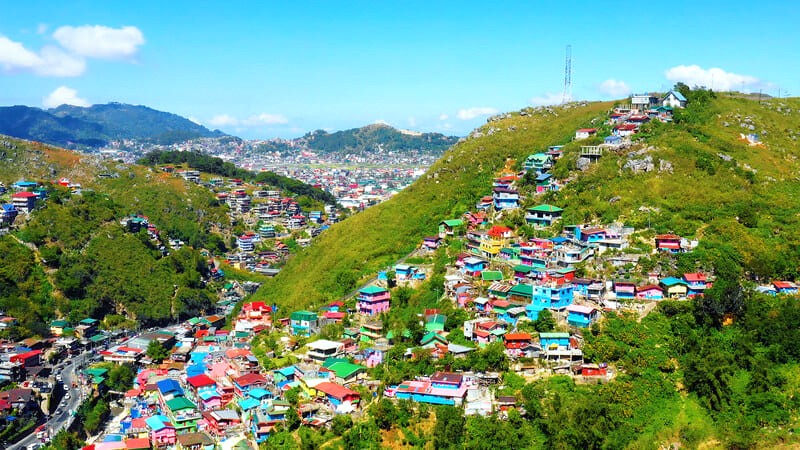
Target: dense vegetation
x: 72, y: 258
x: 94, y: 126
x: 216, y: 166
x: 372, y: 137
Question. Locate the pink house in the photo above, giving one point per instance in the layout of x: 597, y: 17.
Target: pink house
x: 373, y: 300
x: 650, y: 292
x: 162, y: 431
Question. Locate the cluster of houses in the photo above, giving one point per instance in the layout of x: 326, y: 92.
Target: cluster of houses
x: 25, y: 196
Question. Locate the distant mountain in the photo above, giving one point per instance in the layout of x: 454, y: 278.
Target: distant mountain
x: 370, y: 138
x: 93, y: 126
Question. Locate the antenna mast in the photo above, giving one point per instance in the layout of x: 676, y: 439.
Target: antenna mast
x: 567, y: 95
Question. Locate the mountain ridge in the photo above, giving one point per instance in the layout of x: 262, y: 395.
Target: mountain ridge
x: 94, y: 126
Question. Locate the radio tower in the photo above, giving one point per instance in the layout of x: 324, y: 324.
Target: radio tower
x: 567, y: 96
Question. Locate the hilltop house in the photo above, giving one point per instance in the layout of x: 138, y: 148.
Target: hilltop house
x: 585, y: 133
x: 373, y: 300
x: 785, y: 287
x: 674, y: 99
x: 643, y: 102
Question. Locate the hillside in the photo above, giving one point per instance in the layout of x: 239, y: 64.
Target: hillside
x: 78, y: 261
x: 368, y: 139
x: 93, y: 126
x: 741, y: 200
x: 376, y: 238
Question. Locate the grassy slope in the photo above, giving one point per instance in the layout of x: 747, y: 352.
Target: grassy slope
x: 702, y: 197
x: 371, y: 240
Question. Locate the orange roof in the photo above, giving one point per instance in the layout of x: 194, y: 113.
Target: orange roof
x: 697, y: 276
x: 517, y: 337
x: 498, y: 230
x: 667, y: 236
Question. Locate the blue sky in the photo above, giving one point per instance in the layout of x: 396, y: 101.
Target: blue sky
x: 269, y: 69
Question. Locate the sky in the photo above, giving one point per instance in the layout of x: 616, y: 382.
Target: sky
x: 280, y: 69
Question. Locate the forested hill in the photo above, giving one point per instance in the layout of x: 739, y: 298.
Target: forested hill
x: 739, y: 200
x: 368, y: 139
x: 94, y: 126
x: 72, y: 258
x: 216, y: 166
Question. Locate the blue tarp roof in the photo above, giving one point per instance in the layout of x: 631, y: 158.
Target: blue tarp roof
x: 169, y: 386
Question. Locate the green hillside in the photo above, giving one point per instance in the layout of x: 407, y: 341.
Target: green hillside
x: 369, y: 241
x: 71, y: 258
x: 740, y: 201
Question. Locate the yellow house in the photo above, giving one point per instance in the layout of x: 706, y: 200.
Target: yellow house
x: 674, y: 287
x: 494, y: 241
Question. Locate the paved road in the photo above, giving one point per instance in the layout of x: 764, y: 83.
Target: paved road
x: 62, y: 418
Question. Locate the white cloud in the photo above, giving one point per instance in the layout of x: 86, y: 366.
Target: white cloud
x: 63, y: 95
x: 256, y: 120
x: 223, y: 120
x: 714, y: 78
x: 57, y: 63
x: 14, y: 56
x: 476, y: 111
x: 546, y: 99
x: 98, y: 41
x: 614, y: 88
x: 443, y: 117
x: 41, y: 28
x: 264, y: 119
x: 77, y: 44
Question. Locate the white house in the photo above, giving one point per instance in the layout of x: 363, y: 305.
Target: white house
x: 674, y: 99
x: 584, y: 133
x: 643, y: 102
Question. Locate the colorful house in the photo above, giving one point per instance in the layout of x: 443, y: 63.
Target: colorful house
x: 543, y: 215
x: 373, y: 300
x: 431, y: 242
x: 245, y: 383
x: 162, y: 431
x: 544, y: 182
x: 505, y: 198
x: 554, y: 340
x: 590, y: 235
x: 581, y: 316
x: 497, y: 238
x: 650, y: 292
x: 515, y: 342
x: 450, y: 227
x: 183, y: 414
x: 474, y: 266
x: 674, y: 287
x: 785, y: 287
x: 440, y: 389
x: 549, y: 296
x: 338, y: 395
x: 698, y: 283
x: 24, y: 202
x: 303, y: 323
x: 625, y: 289
x: 668, y: 243
x: 539, y: 162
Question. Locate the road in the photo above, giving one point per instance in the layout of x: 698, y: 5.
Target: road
x: 62, y: 418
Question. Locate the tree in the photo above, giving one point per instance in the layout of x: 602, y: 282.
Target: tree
x: 384, y: 414
x: 545, y: 321
x: 341, y: 423
x: 156, y: 351
x: 449, y: 429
